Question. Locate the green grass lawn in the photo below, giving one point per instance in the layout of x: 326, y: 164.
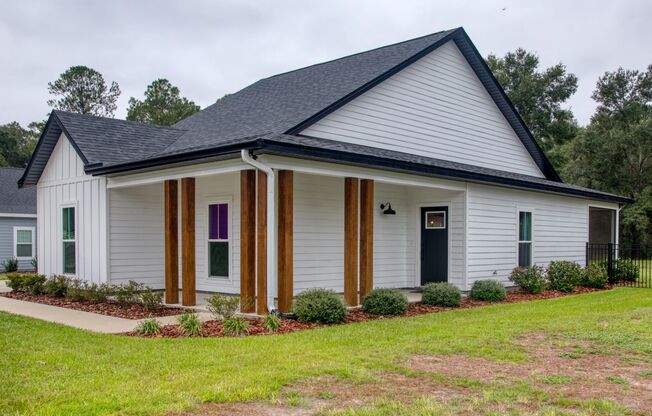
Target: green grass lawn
x: 51, y: 369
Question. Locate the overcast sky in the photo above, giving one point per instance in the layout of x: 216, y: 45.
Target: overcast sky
x: 210, y: 48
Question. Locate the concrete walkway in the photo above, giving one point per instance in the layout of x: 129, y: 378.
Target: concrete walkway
x: 74, y: 318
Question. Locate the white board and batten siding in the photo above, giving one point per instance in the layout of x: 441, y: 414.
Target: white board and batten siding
x: 436, y: 107
x: 559, y: 229
x: 64, y: 183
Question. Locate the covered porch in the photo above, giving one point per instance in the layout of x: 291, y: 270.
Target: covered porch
x: 227, y: 227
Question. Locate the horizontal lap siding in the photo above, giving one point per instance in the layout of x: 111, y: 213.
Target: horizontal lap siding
x: 436, y: 107
x: 7, y: 242
x: 137, y: 237
x: 318, y: 232
x: 560, y: 230
x: 391, y: 235
x: 64, y: 182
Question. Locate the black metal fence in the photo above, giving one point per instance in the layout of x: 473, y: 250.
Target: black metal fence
x: 625, y: 265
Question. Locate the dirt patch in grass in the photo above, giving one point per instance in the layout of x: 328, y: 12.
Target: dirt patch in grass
x: 557, y: 376
x: 110, y: 308
x: 328, y: 393
x: 575, y: 370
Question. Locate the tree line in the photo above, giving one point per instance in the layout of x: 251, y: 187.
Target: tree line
x: 613, y: 153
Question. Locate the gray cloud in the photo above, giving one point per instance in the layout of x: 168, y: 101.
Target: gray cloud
x: 209, y: 48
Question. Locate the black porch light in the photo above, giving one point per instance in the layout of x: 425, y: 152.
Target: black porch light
x: 387, y: 208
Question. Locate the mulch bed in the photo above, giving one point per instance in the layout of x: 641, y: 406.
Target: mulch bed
x: 214, y: 328
x: 110, y: 308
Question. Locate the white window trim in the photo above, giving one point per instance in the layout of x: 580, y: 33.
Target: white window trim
x: 518, y: 236
x: 229, y: 240
x: 76, y: 240
x: 435, y: 228
x: 16, y: 229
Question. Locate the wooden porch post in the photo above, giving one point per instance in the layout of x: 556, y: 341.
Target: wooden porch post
x: 366, y: 236
x: 285, y: 226
x: 171, y: 191
x: 247, y: 240
x: 188, y: 274
x: 261, y: 248
x: 351, y: 241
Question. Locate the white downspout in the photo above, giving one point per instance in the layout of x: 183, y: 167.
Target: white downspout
x: 271, y: 226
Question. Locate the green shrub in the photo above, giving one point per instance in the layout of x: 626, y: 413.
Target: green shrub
x: 531, y: 279
x: 148, y: 327
x: 16, y: 281
x: 10, y: 265
x: 385, y: 302
x: 272, y: 322
x: 564, y: 276
x: 319, y: 306
x: 625, y: 270
x: 34, y: 263
x: 236, y: 326
x: 56, y: 286
x: 76, y: 290
x: 190, y: 324
x: 223, y: 306
x: 150, y: 299
x: 26, y: 282
x: 488, y: 290
x: 128, y: 293
x: 34, y: 283
x: 441, y: 294
x: 595, y: 276
x: 95, y: 293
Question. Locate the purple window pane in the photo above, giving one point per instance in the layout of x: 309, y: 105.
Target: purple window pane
x: 223, y: 219
x: 213, y: 222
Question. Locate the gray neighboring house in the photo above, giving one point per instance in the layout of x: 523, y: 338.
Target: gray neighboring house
x: 17, y: 219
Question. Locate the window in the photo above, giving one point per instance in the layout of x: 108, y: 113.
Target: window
x: 524, y: 239
x: 68, y: 238
x: 23, y: 242
x: 435, y: 220
x: 218, y: 240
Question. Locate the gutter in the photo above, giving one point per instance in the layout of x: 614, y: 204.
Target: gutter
x: 271, y: 226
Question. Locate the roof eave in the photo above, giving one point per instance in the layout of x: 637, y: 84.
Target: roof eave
x: 167, y: 161
x: 285, y: 149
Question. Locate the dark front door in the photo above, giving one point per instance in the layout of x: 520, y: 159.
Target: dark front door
x: 434, y: 244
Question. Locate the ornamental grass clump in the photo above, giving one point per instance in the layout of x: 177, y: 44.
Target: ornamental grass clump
x: 385, y: 302
x: 10, y: 265
x: 531, y: 279
x: 319, y: 306
x: 488, y: 290
x: 236, y: 326
x: 148, y: 327
x: 564, y: 275
x: 272, y: 322
x: 190, y: 324
x: 441, y: 294
x: 595, y: 276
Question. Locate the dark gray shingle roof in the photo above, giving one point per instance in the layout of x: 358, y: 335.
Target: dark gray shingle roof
x: 278, y: 103
x: 109, y: 140
x: 12, y: 199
